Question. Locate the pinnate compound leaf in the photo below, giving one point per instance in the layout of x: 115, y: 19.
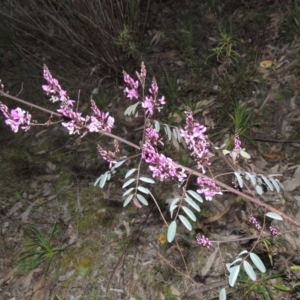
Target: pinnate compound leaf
x: 189, y: 213
x: 234, y: 273
x: 257, y: 262
x: 128, y: 191
x: 171, y: 231
x: 249, y: 270
x: 222, y: 294
x: 239, y: 179
x: 274, y: 216
x: 130, y: 172
x: 130, y: 181
x: 142, y: 199
x: 185, y: 222
x: 147, y: 179
x: 195, y: 195
x: 192, y: 203
x: 127, y: 200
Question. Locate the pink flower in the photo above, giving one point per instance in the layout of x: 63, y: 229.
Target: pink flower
x: 253, y: 221
x: 273, y: 230
x: 203, y: 241
x: 17, y: 117
x: 131, y: 93
x: 208, y: 188
x: 193, y: 134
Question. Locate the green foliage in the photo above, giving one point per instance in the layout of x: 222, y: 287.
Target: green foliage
x: 170, y: 89
x: 293, y: 21
x: 39, y: 249
x: 242, y: 121
x: 226, y: 46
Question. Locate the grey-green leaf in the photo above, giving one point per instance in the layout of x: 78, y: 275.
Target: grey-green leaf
x: 128, y: 191
x: 195, y: 195
x: 267, y: 182
x: 192, y: 203
x: 131, y: 109
x: 274, y: 216
x: 185, y: 222
x: 222, y: 294
x: 171, y: 231
x: 257, y: 262
x: 103, y: 180
x: 130, y: 181
x: 239, y: 179
x: 178, y: 134
x: 142, y: 199
x: 156, y: 125
x: 97, y: 181
x: 143, y: 190
x: 275, y: 183
x: 146, y: 179
x: 189, y: 213
x: 168, y: 132
x: 249, y: 270
x: 259, y: 190
x: 234, y: 272
x: 130, y: 172
x: 119, y: 163
x: 127, y: 200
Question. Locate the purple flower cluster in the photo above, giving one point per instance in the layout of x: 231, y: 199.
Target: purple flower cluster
x: 203, y: 241
x: 254, y: 222
x: 273, y: 230
x: 17, y: 117
x: 107, y: 155
x: 208, y: 188
x: 193, y: 134
x: 237, y: 143
x: 97, y: 123
x: 149, y: 102
x: 132, y: 91
x: 161, y: 166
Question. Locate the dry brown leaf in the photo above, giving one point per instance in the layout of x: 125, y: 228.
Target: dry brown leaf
x: 66, y: 276
x: 271, y: 155
x: 8, y: 275
x: 292, y: 183
x: 210, y: 260
x: 15, y: 207
x: 175, y: 291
